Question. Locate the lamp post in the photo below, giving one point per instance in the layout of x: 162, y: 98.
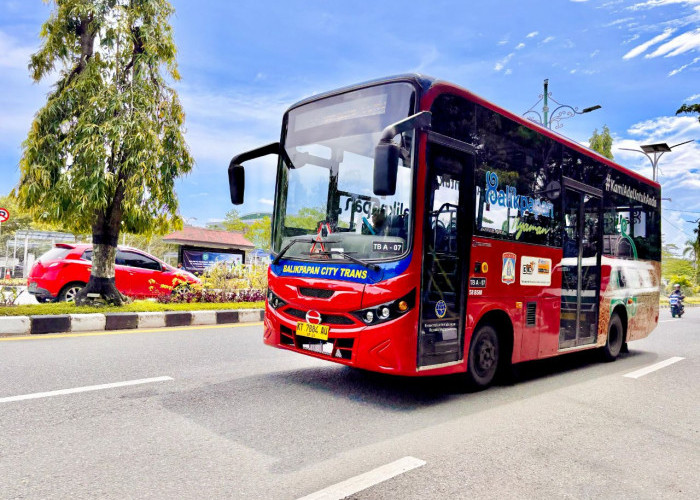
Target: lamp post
x: 561, y: 112
x: 657, y: 150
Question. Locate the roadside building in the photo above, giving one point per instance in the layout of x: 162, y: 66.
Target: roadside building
x: 200, y: 248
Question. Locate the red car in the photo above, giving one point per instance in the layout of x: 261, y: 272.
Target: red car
x: 62, y: 271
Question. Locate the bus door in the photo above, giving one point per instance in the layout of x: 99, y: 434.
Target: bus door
x: 446, y: 233
x: 580, y: 266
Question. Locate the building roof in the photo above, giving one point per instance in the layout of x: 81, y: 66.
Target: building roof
x: 191, y: 235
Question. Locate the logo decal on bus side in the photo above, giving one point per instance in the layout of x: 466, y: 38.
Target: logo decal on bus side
x: 508, y: 269
x: 440, y: 309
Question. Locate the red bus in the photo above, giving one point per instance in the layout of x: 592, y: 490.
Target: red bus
x: 421, y: 230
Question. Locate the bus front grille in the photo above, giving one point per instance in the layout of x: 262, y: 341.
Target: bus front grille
x: 318, y: 293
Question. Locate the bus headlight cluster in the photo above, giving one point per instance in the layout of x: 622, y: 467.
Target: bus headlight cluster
x: 274, y: 301
x: 388, y: 311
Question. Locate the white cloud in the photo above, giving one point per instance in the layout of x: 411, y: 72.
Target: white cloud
x: 681, y: 44
x: 595, y: 53
x: 519, y: 46
x: 678, y: 70
x: 502, y: 63
x: 12, y: 54
x: 533, y: 34
x: 266, y: 201
x: 503, y: 41
x: 618, y: 22
x: 639, y: 49
x: 548, y: 39
x: 692, y: 98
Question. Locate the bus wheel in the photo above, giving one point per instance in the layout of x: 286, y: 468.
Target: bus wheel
x: 483, y: 357
x: 613, y: 344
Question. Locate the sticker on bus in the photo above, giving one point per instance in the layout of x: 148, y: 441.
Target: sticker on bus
x: 535, y: 271
x: 508, y: 270
x: 477, y: 282
x: 388, y: 246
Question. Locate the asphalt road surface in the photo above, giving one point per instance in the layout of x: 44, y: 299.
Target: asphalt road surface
x: 211, y: 412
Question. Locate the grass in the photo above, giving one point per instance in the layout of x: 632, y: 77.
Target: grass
x: 136, y: 306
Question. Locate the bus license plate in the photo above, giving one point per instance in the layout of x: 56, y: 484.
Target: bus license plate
x: 319, y: 332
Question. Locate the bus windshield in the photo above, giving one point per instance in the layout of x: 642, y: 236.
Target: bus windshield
x: 325, y: 203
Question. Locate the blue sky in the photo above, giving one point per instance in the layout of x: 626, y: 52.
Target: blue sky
x: 244, y: 62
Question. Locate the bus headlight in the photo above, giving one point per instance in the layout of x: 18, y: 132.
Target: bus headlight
x: 388, y: 311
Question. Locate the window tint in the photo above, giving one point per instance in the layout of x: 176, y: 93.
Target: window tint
x: 632, y: 226
x: 517, y: 182
x: 133, y: 259
x: 87, y: 255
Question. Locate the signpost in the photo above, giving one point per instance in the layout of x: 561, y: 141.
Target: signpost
x: 4, y: 217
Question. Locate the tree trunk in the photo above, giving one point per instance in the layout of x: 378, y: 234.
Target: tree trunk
x: 105, y: 235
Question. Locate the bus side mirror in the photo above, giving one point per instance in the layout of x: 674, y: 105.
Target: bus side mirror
x: 387, y: 154
x: 236, y: 173
x: 386, y: 168
x: 236, y: 183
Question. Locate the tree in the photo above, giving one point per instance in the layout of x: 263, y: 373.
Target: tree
x: 102, y: 155
x: 259, y: 233
x: 689, y: 108
x: 232, y: 222
x: 602, y: 143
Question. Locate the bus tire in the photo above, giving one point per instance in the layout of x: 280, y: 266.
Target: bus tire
x: 616, y: 337
x: 484, y: 350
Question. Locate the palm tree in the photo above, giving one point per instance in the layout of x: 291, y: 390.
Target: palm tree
x: 692, y: 249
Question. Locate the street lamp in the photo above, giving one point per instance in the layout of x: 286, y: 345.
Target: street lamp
x: 561, y: 112
x: 657, y: 150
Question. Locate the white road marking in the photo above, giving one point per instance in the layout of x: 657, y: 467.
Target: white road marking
x: 652, y: 368
x: 87, y: 388
x: 363, y: 481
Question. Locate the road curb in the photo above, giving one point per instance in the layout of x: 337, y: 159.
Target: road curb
x: 64, y: 323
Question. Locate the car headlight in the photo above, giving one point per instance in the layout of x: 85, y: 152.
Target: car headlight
x: 388, y: 311
x: 274, y: 301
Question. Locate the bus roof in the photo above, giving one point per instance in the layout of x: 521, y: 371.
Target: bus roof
x: 428, y: 85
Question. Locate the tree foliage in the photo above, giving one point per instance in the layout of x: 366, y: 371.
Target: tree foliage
x: 258, y: 232
x: 102, y: 155
x: 602, y: 143
x: 689, y: 108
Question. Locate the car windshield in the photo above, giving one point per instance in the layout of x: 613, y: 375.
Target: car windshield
x: 324, y: 184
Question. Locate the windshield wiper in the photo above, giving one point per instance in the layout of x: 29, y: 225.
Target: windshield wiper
x: 368, y: 265
x: 297, y: 240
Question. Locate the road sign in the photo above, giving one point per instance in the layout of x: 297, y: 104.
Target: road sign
x: 4, y: 214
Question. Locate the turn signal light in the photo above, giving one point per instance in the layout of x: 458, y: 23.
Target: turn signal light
x: 403, y: 306
x: 484, y: 267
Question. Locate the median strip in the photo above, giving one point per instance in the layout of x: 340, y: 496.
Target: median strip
x: 63, y: 323
x: 88, y: 388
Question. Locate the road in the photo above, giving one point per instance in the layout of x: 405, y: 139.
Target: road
x: 216, y: 414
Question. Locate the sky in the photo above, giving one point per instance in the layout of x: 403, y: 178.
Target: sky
x: 244, y: 63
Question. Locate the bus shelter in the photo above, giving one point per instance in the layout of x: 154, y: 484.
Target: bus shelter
x: 200, y: 248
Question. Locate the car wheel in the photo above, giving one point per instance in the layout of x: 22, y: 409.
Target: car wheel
x: 615, y: 339
x: 483, y: 357
x: 69, y: 292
